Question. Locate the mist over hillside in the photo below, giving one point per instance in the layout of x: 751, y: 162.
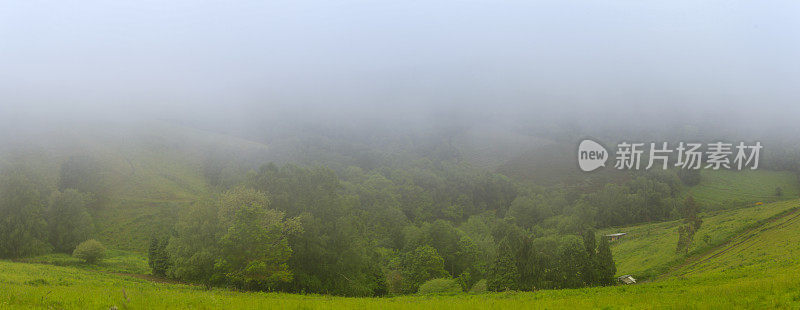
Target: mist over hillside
x: 198, y: 154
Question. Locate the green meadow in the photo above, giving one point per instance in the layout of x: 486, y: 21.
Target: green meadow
x: 745, y: 254
x: 648, y: 250
x: 750, y: 262
x: 723, y: 189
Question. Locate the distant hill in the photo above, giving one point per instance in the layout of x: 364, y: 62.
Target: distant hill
x: 148, y: 171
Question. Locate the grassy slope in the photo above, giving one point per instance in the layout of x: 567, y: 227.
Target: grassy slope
x: 43, y: 286
x: 649, y: 249
x: 116, y: 261
x: 151, y: 170
x: 154, y: 176
x: 773, y: 248
x: 755, y: 270
x: 552, y: 163
x: 726, y: 188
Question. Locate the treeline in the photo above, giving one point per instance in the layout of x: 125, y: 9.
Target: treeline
x: 390, y: 230
x: 358, y: 232
x: 38, y: 219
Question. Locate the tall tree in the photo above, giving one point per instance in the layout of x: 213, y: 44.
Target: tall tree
x: 421, y: 265
x: 68, y: 220
x: 572, y: 259
x: 590, y: 270
x: 605, y: 263
x: 158, y: 256
x: 503, y: 275
x: 84, y: 173
x: 254, y: 249
x: 23, y: 229
x: 194, y: 249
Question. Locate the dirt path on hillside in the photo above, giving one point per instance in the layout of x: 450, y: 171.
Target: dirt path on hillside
x: 735, y: 242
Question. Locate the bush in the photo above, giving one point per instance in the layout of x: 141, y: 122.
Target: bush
x: 91, y: 251
x: 479, y: 288
x: 440, y: 286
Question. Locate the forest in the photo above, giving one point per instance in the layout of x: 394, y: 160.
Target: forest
x: 391, y: 229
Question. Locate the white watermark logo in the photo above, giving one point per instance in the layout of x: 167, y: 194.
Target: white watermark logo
x: 591, y: 155
x: 690, y: 156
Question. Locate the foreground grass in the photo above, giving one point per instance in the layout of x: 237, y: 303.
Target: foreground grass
x: 116, y: 261
x: 755, y: 270
x: 55, y: 287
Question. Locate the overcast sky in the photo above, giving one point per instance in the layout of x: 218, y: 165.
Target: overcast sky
x: 200, y: 58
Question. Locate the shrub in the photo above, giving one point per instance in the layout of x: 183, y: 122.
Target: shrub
x: 440, y: 286
x: 420, y: 265
x: 479, y: 287
x: 90, y: 251
x: 394, y: 282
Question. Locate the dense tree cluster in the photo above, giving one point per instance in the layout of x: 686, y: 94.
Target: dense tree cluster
x: 390, y: 230
x: 35, y: 219
x: 362, y: 232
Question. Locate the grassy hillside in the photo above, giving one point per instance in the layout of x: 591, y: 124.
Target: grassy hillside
x: 743, y: 256
x: 149, y: 171
x: 116, y: 261
x: 755, y: 269
x: 649, y: 249
x: 770, y: 248
x: 54, y: 287
x: 553, y: 163
x: 723, y: 189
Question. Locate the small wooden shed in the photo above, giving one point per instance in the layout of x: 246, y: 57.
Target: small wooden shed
x: 614, y: 237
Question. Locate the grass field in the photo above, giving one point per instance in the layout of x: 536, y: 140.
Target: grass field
x: 649, y: 249
x: 116, y: 261
x: 724, y: 189
x: 755, y: 269
x: 54, y: 287
x: 744, y: 256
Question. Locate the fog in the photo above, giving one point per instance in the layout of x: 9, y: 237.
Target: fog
x: 619, y: 64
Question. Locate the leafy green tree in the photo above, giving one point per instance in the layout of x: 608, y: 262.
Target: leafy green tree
x: 23, y: 229
x: 68, y: 220
x: 91, y: 251
x: 253, y: 247
x: 526, y: 211
x: 571, y: 264
x: 479, y: 287
x: 605, y: 263
x: 394, y: 282
x: 503, y: 274
x: 467, y: 260
x: 336, y: 252
x: 421, y: 265
x: 440, y: 286
x: 194, y: 249
x: 443, y: 237
x: 515, y: 243
x: 84, y: 173
x: 590, y: 270
x: 158, y: 256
